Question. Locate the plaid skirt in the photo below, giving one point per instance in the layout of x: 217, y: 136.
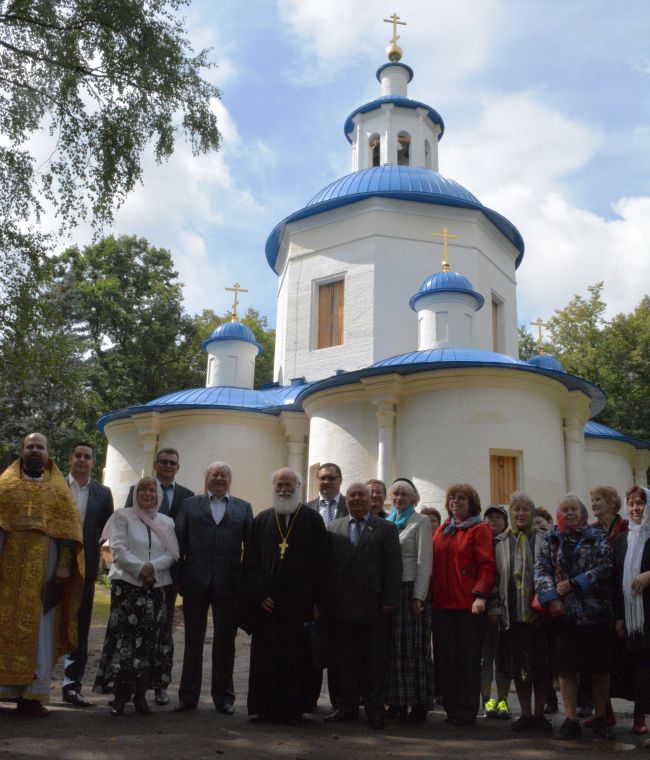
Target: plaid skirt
x: 410, y: 679
x: 137, y: 643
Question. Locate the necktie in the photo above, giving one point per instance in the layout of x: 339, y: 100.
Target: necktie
x: 329, y: 511
x: 165, y: 504
x: 355, y: 531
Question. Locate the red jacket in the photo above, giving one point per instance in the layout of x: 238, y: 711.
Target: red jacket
x: 463, y: 567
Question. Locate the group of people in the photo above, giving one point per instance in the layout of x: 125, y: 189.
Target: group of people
x: 401, y: 606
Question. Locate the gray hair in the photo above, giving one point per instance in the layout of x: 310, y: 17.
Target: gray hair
x: 220, y: 465
x: 293, y: 473
x: 522, y: 497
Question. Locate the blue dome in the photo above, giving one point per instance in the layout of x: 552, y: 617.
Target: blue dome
x: 232, y: 331
x: 401, y: 101
x: 406, y: 183
x: 546, y: 361
x: 447, y: 282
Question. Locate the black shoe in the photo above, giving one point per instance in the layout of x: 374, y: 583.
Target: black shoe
x: 117, y: 707
x: 569, y: 730
x: 184, y: 707
x: 541, y: 723
x: 341, y: 716
x: 32, y: 708
x: 396, y: 712
x: 141, y: 705
x: 585, y: 711
x: 601, y: 730
x: 376, y: 720
x: 523, y: 723
x: 75, y: 697
x: 162, y: 698
x: 225, y: 709
x: 418, y: 714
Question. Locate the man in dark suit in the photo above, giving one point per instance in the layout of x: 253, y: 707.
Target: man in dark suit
x: 95, y: 506
x: 330, y: 503
x: 213, y: 532
x: 166, y: 466
x: 367, y: 571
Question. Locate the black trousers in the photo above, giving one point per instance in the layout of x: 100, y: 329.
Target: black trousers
x: 195, y: 614
x: 361, y: 664
x: 75, y: 662
x: 459, y: 640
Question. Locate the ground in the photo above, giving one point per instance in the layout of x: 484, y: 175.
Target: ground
x: 92, y: 733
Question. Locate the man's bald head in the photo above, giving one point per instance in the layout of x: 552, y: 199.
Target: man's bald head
x: 34, y: 454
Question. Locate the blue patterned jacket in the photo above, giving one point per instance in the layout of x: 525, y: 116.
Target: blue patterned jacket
x: 589, y: 569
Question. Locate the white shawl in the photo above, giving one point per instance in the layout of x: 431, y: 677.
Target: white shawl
x: 636, y: 539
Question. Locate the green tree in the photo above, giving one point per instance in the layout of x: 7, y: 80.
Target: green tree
x: 105, y: 78
x: 527, y: 344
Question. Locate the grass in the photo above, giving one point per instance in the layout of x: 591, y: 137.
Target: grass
x: 101, y: 605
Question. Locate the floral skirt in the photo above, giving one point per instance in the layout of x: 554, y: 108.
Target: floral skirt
x: 137, y: 643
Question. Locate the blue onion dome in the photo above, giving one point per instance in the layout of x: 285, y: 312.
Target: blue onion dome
x: 546, y: 361
x: 447, y: 282
x: 232, y: 331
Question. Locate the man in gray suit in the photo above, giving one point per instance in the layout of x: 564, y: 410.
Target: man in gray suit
x: 95, y: 505
x: 367, y: 571
x: 330, y: 503
x: 213, y: 532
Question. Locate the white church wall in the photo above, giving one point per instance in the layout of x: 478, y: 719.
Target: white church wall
x: 609, y: 463
x: 446, y: 434
x: 124, y: 459
x: 232, y: 363
x: 383, y: 248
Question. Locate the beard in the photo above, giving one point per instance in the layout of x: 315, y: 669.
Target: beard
x: 286, y: 505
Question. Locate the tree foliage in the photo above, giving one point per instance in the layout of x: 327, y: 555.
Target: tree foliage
x: 104, y: 78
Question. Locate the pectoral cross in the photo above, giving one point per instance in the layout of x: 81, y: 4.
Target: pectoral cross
x: 394, y: 20
x: 236, y: 289
x: 445, y: 235
x: 283, y: 547
x: 539, y: 324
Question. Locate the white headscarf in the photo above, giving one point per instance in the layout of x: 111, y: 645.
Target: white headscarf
x: 636, y: 539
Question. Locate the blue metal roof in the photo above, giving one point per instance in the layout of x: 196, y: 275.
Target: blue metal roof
x: 269, y: 401
x: 407, y: 183
x: 401, y: 102
x: 546, y: 361
x: 598, y: 430
x: 275, y: 399
x: 232, y: 331
x: 399, y: 64
x: 447, y: 282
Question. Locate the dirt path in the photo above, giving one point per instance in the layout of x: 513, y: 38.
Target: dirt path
x: 92, y: 733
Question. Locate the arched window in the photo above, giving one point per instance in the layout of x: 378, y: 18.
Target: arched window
x: 403, y: 149
x: 427, y: 154
x: 374, y: 143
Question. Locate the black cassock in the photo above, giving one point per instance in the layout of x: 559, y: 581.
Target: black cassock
x: 282, y: 682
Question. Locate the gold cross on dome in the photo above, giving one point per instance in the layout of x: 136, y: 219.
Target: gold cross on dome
x: 446, y: 236
x: 394, y: 20
x: 236, y: 289
x: 538, y: 323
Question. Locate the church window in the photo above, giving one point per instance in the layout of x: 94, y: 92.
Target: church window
x: 403, y: 149
x: 427, y: 154
x: 503, y: 477
x: 330, y: 314
x: 498, y: 328
x: 374, y: 143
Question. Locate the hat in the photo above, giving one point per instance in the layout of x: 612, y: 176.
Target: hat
x: 497, y: 508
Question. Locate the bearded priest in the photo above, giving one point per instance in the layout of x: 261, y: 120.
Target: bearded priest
x: 41, y: 575
x: 284, y: 580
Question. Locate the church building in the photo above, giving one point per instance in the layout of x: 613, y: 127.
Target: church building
x: 396, y: 347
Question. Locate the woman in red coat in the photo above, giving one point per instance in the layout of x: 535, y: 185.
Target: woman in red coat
x: 461, y: 581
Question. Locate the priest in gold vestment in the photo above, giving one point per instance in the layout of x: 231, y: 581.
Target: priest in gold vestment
x: 41, y: 575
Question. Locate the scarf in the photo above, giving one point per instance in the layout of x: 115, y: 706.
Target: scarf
x: 453, y: 526
x: 162, y: 529
x: 523, y: 568
x: 637, y: 536
x: 401, y: 518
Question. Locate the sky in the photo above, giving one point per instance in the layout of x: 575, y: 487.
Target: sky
x: 546, y: 107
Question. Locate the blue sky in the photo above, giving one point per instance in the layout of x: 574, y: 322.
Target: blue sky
x: 547, y: 114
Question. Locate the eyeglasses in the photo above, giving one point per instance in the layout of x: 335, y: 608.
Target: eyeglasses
x: 167, y: 462
x: 328, y: 477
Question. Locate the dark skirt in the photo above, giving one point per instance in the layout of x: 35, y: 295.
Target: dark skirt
x: 580, y: 648
x: 524, y: 652
x: 411, y: 663
x: 137, y: 643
